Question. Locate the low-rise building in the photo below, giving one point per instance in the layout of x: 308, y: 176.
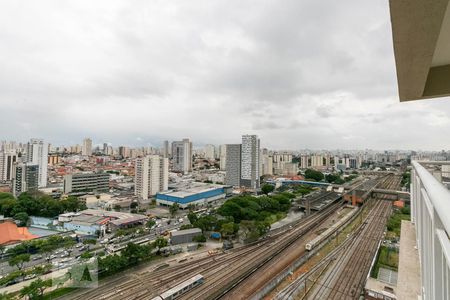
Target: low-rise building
x: 196, y: 193
x: 93, y: 221
x: 184, y: 236
x: 86, y: 224
x: 11, y: 234
x: 80, y: 183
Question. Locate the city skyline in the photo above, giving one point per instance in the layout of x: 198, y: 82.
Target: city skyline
x: 142, y: 73
x: 201, y: 146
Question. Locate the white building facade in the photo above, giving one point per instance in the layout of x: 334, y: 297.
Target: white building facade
x: 7, y: 160
x: 151, y: 176
x: 87, y: 147
x: 37, y: 154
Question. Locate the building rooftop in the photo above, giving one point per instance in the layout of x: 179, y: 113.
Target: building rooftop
x: 106, y: 213
x: 186, y: 231
x: 192, y: 188
x: 87, y: 219
x: 133, y: 219
x: 10, y: 233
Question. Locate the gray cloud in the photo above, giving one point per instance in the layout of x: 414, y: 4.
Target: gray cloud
x: 139, y: 72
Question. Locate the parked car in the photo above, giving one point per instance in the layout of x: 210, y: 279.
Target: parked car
x: 31, y: 276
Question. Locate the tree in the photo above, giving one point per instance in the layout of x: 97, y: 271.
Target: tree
x: 150, y: 223
x: 199, y: 239
x: 133, y: 205
x: 42, y: 285
x: 267, y: 188
x: 5, y: 296
x: 19, y: 260
x: 174, y: 209
x: 47, y: 249
x: 86, y: 255
x: 89, y: 242
x: 191, y: 207
x: 2, y: 250
x: 72, y: 204
x: 117, y: 207
x: 161, y: 242
x: 132, y: 252
x: 68, y: 245
x: 192, y: 217
x: 227, y: 229
x: 313, y: 174
x: 186, y: 226
x: 331, y: 177
x: 22, y: 217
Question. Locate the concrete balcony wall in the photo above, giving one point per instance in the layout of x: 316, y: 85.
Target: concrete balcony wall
x: 430, y: 211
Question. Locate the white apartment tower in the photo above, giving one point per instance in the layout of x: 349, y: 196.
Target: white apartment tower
x: 182, y: 156
x: 152, y: 176
x: 250, y: 165
x: 37, y: 154
x: 210, y: 152
x: 223, y: 156
x: 7, y: 160
x: 166, y: 150
x: 87, y: 147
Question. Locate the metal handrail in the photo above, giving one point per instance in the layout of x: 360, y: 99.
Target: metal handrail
x: 438, y: 194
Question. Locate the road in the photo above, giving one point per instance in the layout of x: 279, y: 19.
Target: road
x: 5, y: 268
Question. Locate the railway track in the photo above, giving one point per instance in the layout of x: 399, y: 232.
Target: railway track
x: 345, y: 277
x: 219, y: 285
x: 152, y: 282
x: 253, y: 284
x: 222, y: 272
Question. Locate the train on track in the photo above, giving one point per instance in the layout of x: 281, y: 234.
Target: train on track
x: 181, y: 288
x: 327, y: 233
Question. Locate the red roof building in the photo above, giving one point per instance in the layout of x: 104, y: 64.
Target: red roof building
x: 11, y: 234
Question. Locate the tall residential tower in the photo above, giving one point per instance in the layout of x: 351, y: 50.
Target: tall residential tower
x: 87, y: 147
x: 182, y: 156
x: 152, y: 176
x: 37, y: 154
x: 250, y: 165
x: 233, y: 164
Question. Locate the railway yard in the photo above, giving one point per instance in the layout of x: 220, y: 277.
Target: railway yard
x: 250, y: 271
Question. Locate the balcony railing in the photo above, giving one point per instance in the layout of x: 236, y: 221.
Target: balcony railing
x: 430, y: 207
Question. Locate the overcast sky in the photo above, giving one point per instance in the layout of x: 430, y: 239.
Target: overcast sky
x: 300, y: 74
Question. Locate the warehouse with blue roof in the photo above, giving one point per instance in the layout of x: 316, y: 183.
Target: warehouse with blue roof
x: 197, y: 193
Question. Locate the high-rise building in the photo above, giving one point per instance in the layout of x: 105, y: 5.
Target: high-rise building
x: 304, y: 161
x: 124, y: 151
x: 250, y: 151
x: 109, y: 150
x: 37, y: 154
x: 87, y: 147
x: 233, y: 164
x: 166, y: 149
x: 223, y: 157
x: 54, y: 159
x: 210, y: 152
x: 182, y: 156
x: 266, y: 163
x: 151, y: 176
x: 105, y: 148
x: 7, y: 160
x: 25, y: 178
